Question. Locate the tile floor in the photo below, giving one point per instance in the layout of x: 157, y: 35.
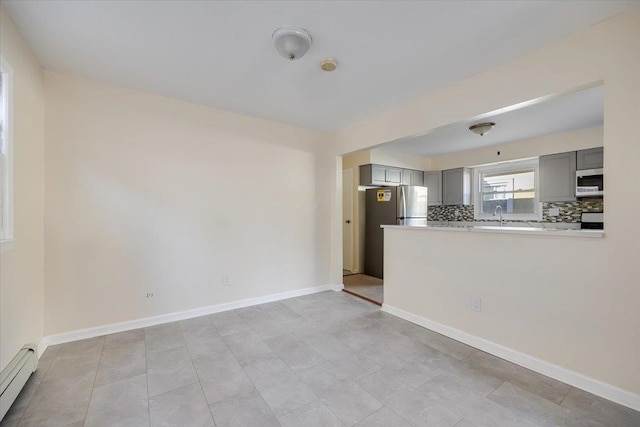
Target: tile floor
x: 367, y: 286
x: 328, y: 359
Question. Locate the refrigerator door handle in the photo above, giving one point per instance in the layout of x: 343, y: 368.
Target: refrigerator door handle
x: 403, y: 197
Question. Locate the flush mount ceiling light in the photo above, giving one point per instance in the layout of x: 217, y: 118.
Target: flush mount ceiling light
x: 481, y: 128
x: 291, y: 42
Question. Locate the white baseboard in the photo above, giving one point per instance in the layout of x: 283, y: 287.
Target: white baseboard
x: 42, y: 347
x: 559, y: 373
x: 179, y: 315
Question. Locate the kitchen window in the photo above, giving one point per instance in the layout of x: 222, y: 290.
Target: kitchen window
x: 6, y: 159
x: 511, y: 185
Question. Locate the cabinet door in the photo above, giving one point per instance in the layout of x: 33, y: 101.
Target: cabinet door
x: 388, y: 175
x: 590, y: 159
x: 378, y: 174
x: 433, y: 181
x: 406, y: 177
x: 456, y: 186
x: 394, y: 175
x: 412, y: 177
x: 373, y: 175
x: 417, y: 177
x: 558, y: 177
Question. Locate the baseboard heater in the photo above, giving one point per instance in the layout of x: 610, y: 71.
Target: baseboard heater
x: 15, y: 376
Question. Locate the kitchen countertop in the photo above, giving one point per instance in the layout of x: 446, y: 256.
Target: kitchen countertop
x: 535, y: 231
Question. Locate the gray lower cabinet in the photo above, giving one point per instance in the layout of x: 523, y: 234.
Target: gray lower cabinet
x: 558, y: 177
x: 380, y: 175
x: 592, y: 158
x: 412, y: 177
x: 456, y: 186
x: 433, y: 181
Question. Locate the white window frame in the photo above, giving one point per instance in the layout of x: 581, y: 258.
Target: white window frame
x: 6, y: 225
x: 507, y: 167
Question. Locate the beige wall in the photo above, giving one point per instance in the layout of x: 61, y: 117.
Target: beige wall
x: 148, y: 194
x: 21, y: 261
x: 548, y: 144
x: 354, y: 160
x: 387, y: 157
x: 584, y: 322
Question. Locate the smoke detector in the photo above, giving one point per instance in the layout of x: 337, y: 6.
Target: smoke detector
x: 328, y: 64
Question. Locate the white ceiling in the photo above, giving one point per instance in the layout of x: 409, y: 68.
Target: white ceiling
x: 220, y: 53
x: 578, y: 110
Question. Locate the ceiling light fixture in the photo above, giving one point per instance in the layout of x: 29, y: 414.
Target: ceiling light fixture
x: 481, y: 128
x: 291, y: 42
x: 328, y: 64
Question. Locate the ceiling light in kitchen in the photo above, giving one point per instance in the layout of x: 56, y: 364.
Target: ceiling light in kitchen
x: 291, y: 42
x: 481, y: 128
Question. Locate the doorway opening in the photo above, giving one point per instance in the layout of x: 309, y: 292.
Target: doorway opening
x: 355, y: 282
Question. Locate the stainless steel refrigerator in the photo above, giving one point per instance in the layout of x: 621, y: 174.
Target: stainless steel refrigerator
x: 401, y: 205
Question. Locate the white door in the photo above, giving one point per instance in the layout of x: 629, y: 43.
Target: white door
x: 347, y: 219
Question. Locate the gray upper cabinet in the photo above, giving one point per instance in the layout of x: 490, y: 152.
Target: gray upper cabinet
x: 558, y: 177
x: 456, y: 186
x: 380, y: 175
x: 433, y: 181
x: 417, y: 177
x: 592, y: 158
x: 394, y: 175
x: 412, y: 177
x: 406, y: 176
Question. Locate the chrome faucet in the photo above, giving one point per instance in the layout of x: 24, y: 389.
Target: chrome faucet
x: 495, y: 213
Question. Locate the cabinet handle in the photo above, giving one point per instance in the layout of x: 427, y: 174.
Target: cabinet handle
x: 348, y: 221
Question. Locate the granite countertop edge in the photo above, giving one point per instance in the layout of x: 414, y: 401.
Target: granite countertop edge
x: 530, y: 231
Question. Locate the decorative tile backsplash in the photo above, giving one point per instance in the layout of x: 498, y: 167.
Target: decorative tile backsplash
x: 450, y: 213
x: 569, y: 212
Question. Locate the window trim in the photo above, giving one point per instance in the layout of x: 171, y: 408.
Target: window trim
x: 508, y: 166
x: 6, y: 227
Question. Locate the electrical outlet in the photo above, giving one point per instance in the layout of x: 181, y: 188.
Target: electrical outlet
x: 226, y: 280
x: 476, y: 303
x: 554, y: 211
x: 149, y: 294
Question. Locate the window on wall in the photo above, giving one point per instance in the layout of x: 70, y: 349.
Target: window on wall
x: 513, y: 186
x: 6, y: 164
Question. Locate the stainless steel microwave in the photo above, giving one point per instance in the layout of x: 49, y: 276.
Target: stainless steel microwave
x: 590, y: 183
